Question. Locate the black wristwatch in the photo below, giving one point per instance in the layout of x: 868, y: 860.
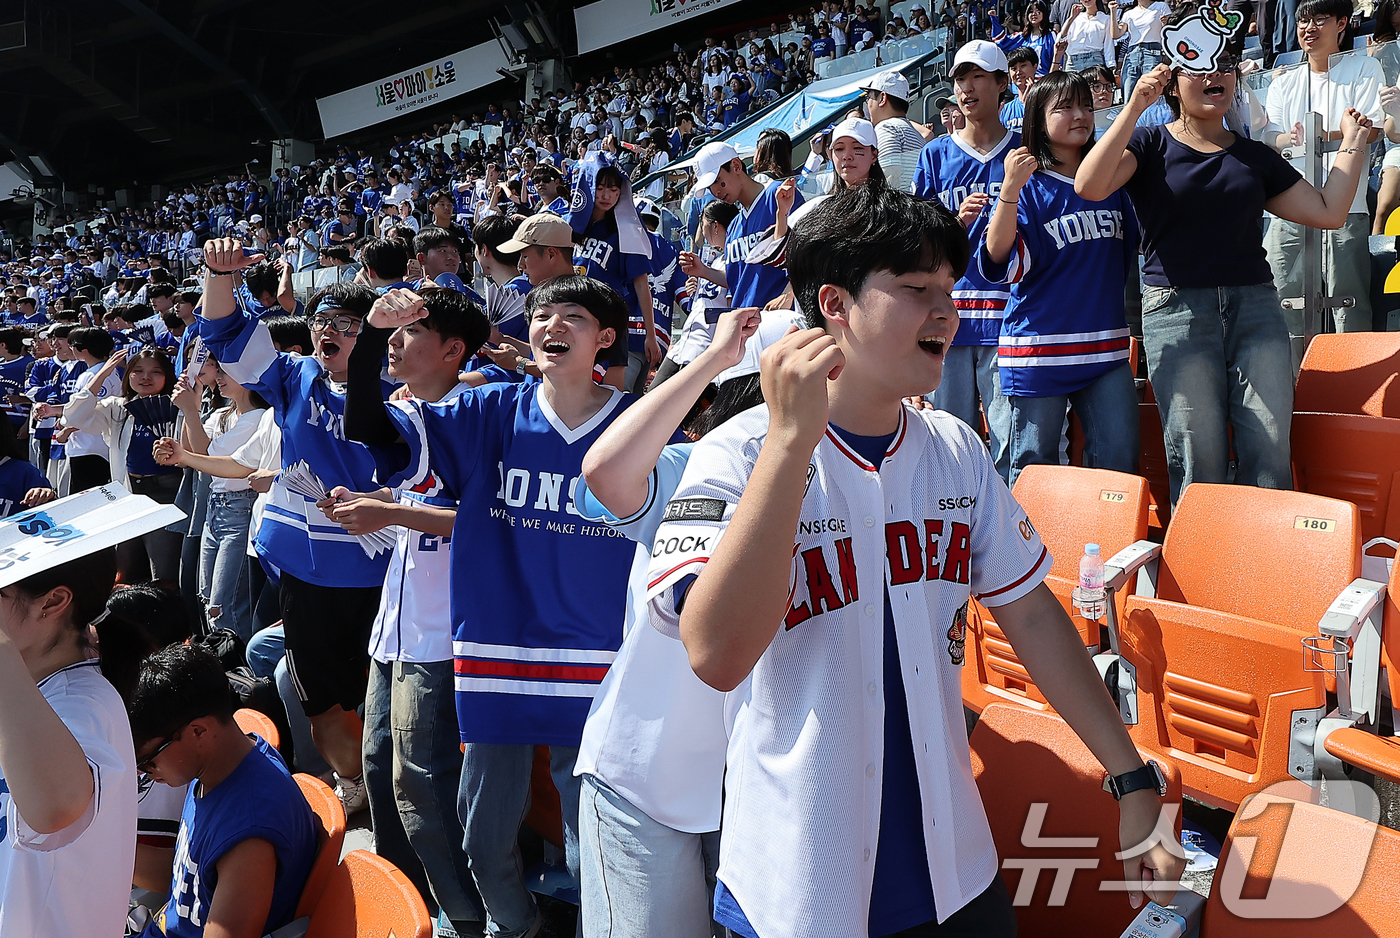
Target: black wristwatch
x: 1149, y: 776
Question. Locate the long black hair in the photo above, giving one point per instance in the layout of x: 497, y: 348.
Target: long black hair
x: 1054, y: 90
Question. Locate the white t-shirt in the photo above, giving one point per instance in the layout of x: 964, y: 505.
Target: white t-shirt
x: 226, y: 442
x: 1351, y: 82
x: 76, y: 881
x: 262, y: 451
x: 1091, y: 34
x: 414, y: 621
x: 1145, y: 25
x: 83, y: 443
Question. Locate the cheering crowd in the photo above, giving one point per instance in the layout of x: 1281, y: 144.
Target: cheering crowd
x: 482, y: 495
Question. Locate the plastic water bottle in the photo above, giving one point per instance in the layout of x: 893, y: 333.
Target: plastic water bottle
x: 1090, y: 595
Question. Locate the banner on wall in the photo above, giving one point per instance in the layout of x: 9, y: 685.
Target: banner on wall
x: 416, y: 88
x: 608, y: 21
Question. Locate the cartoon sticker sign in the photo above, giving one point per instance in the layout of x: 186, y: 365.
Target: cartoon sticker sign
x: 1197, y: 42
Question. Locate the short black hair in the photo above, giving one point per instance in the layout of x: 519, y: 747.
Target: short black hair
x: 1023, y: 54
x: 27, y: 299
x: 13, y: 339
x: 354, y: 298
x: 1054, y: 90
x: 95, y: 341
x: 260, y: 278
x: 453, y: 315
x: 859, y: 231
x: 493, y: 231
x: 1341, y: 9
x: 287, y: 331
x: 593, y: 295
x: 168, y: 289
x: 61, y: 331
x: 177, y: 685
x: 719, y: 212
x: 386, y: 257
x: 431, y: 237
x: 337, y: 252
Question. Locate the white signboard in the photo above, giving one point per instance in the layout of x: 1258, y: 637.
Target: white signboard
x: 608, y: 21
x: 41, y: 538
x: 411, y: 90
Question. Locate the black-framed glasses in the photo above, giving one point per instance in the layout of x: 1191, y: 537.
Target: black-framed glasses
x: 1316, y: 21
x: 347, y: 326
x: 148, y: 763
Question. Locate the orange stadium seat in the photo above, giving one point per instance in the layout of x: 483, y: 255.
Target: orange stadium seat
x: 1070, y: 507
x: 1351, y: 373
x: 258, y: 724
x: 1152, y: 465
x: 1352, y: 457
x: 368, y: 897
x: 1245, y: 574
x: 1294, y: 869
x: 330, y: 838
x: 1022, y: 758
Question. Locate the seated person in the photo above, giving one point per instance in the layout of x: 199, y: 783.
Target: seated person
x: 247, y: 839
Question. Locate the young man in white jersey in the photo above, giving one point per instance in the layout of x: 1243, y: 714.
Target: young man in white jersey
x: 412, y: 760
x: 793, y: 525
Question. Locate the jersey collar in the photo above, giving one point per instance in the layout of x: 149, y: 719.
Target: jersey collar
x: 977, y: 154
x: 583, y: 429
x: 860, y: 460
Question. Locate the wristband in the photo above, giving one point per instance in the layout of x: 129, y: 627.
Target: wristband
x: 1009, y: 201
x: 211, y: 272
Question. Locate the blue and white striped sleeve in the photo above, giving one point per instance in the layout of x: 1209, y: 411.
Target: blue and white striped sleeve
x: 241, y: 344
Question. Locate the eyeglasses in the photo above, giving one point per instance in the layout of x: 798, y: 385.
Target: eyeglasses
x: 347, y: 326
x: 148, y: 763
x: 1318, y: 21
x: 1100, y: 86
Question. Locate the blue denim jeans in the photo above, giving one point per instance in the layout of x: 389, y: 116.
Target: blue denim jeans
x: 970, y: 379
x: 1141, y: 58
x: 639, y: 877
x: 1219, y: 360
x: 265, y: 650
x: 413, y: 766
x: 1082, y: 60
x: 1107, y: 410
x: 223, y: 562
x: 491, y: 803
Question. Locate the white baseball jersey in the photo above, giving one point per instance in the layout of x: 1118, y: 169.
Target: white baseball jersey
x: 76, y: 881
x: 934, y: 526
x: 414, y: 622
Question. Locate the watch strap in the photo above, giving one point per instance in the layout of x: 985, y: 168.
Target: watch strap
x: 1148, y: 776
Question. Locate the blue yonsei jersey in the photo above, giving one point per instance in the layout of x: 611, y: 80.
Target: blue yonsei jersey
x: 602, y: 259
x: 295, y: 535
x: 667, y: 282
x: 538, y: 593
x: 12, y: 375
x: 1064, y: 326
x: 258, y: 801
x: 16, y: 479
x: 950, y: 170
x: 754, y: 284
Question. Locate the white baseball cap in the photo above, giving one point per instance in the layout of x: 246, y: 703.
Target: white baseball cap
x: 889, y: 82
x: 983, y: 54
x: 857, y: 128
x: 710, y: 159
